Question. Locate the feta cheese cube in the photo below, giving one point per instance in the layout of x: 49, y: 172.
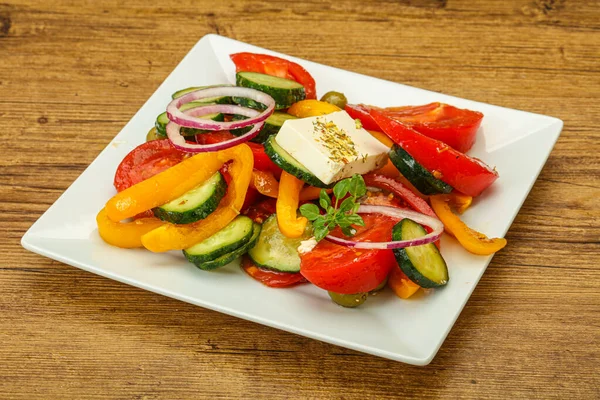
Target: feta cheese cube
x: 332, y: 146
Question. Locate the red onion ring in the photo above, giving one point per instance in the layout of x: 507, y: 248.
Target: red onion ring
x: 182, y: 119
x: 179, y: 142
x: 419, y: 218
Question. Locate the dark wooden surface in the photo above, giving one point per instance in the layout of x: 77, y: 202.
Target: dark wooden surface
x: 72, y: 73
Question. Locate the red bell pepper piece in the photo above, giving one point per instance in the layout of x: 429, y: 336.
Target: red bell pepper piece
x: 466, y: 174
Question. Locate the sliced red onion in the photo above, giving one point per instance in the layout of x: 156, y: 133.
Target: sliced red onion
x: 179, y: 142
x: 190, y: 121
x: 434, y: 223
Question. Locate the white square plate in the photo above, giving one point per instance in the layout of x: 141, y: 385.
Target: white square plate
x: 517, y: 143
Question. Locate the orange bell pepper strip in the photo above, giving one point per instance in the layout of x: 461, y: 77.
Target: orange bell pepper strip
x: 383, y: 138
x: 312, y: 193
x: 460, y: 201
x: 177, y: 237
x: 401, y: 285
x: 265, y: 183
x: 388, y: 170
x: 471, y: 240
x: 311, y: 108
x: 287, y: 206
x: 125, y: 235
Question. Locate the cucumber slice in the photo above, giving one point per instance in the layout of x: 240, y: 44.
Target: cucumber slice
x: 416, y: 174
x: 272, y: 126
x: 289, y: 164
x: 196, y: 204
x: 236, y: 234
x: 276, y: 251
x: 424, y: 265
x: 229, y: 257
x: 285, y: 92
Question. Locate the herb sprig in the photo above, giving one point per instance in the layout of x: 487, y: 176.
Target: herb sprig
x: 343, y: 215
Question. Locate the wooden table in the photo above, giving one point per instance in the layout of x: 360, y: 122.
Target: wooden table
x: 71, y: 75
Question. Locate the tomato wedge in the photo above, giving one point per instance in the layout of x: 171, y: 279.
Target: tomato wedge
x: 466, y: 174
x: 270, y: 278
x: 275, y: 66
x: 348, y: 271
x: 454, y: 126
x: 145, y: 161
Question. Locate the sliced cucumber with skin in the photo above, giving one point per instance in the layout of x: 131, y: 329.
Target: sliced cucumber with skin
x: 416, y: 174
x: 424, y: 265
x: 229, y: 257
x: 196, y: 204
x: 236, y: 234
x: 289, y: 164
x: 285, y: 92
x: 276, y: 251
x: 272, y: 126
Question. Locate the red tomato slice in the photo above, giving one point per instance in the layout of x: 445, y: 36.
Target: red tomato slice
x: 465, y: 174
x: 275, y: 66
x: 262, y: 210
x: 270, y: 278
x: 345, y: 270
x: 454, y: 126
x: 145, y: 161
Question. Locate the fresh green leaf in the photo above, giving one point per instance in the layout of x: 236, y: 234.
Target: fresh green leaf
x: 348, y: 230
x: 341, y: 189
x: 320, y: 233
x: 357, y: 186
x: 310, y: 211
x: 324, y: 199
x: 347, y: 205
x: 355, y: 219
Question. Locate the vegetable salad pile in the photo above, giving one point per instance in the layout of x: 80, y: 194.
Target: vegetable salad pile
x: 348, y: 197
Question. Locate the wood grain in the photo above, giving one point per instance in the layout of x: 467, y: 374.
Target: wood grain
x: 72, y: 73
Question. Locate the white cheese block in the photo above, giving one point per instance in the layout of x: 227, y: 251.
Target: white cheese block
x: 332, y: 146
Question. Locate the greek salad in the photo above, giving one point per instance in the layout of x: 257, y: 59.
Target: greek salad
x: 346, y: 196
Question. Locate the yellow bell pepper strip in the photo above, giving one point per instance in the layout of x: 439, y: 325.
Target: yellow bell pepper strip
x: 460, y: 201
x: 125, y: 235
x: 311, y: 108
x: 388, y: 170
x: 287, y: 206
x: 383, y: 138
x: 178, y: 237
x: 265, y: 183
x: 400, y: 284
x: 471, y: 240
x: 312, y: 193
x: 165, y: 186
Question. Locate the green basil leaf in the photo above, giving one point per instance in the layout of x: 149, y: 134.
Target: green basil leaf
x: 355, y: 219
x: 347, y: 205
x: 341, y: 189
x: 324, y: 199
x: 357, y: 186
x: 310, y: 211
x: 348, y: 230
